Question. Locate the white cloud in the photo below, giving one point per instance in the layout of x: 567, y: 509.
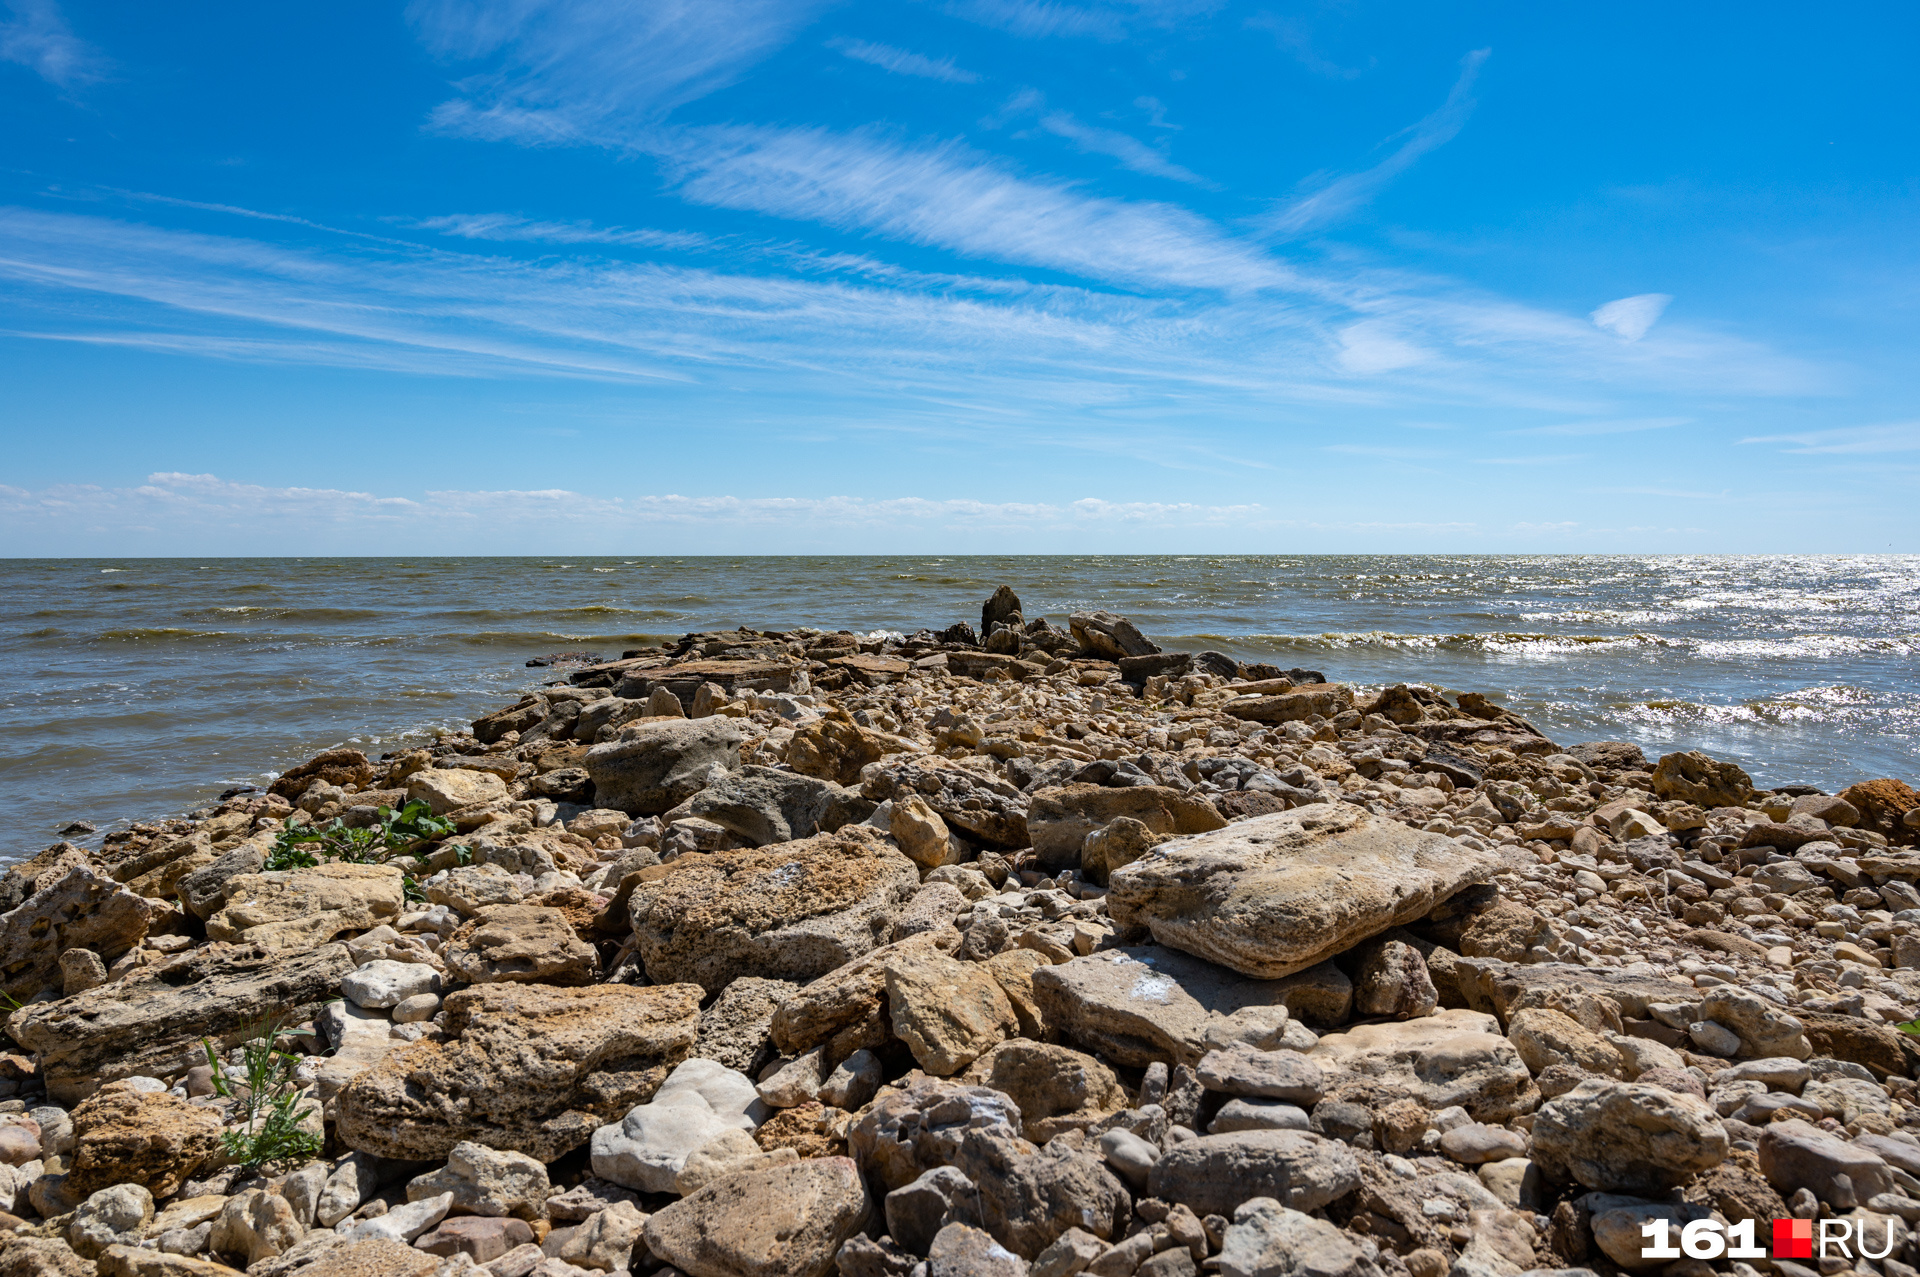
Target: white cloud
x: 1631, y: 317
x: 902, y: 62
x: 1626, y: 426
x: 585, y: 70
x: 1337, y: 197
x: 1129, y: 150
x: 37, y: 37
x: 1899, y: 437
x: 1370, y: 347
x: 950, y: 197
x: 508, y: 226
x: 1100, y: 19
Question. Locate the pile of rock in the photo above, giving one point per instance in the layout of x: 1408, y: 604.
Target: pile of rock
x: 1025, y: 950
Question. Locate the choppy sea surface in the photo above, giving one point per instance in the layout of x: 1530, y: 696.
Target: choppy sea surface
x: 138, y: 688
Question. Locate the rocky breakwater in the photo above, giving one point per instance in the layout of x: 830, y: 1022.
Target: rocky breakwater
x: 1026, y: 949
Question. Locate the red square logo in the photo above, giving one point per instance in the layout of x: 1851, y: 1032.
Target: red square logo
x: 1793, y: 1239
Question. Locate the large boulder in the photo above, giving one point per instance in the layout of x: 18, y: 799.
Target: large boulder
x: 1324, y: 700
x: 1138, y: 1006
x: 526, y: 944
x: 1215, y: 1173
x: 912, y: 1129
x: 76, y: 909
x: 766, y: 805
x: 1057, y: 1088
x: 1884, y: 807
x: 453, y: 788
x: 528, y: 1068
x: 152, y: 1022
x: 653, y: 767
x: 835, y: 748
x: 1452, y: 1057
x: 304, y: 908
x: 791, y: 912
x: 790, y: 1220
x: 124, y: 1136
x: 1627, y: 1137
x: 985, y: 807
x: 1028, y: 1197
x: 1109, y: 636
x: 333, y: 767
x: 1060, y: 818
x: 1268, y: 1240
x: 948, y: 1012
x: 847, y: 1007
x: 699, y: 1102
x: 1692, y: 777
x: 1795, y: 1155
x: 1276, y: 894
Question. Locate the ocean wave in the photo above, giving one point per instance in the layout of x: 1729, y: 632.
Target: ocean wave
x: 1835, y: 705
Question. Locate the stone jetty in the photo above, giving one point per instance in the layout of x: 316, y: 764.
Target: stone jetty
x: 1024, y: 950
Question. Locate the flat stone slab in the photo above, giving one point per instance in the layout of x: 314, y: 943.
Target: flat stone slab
x: 1276, y: 894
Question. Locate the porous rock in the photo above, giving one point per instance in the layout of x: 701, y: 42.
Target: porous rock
x: 530, y: 1068
x: 1627, y: 1137
x: 527, y: 944
x: 651, y: 768
x: 1276, y: 894
x: 788, y: 1219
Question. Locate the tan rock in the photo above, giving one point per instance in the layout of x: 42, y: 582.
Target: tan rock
x: 834, y: 747
x: 1448, y: 1058
x: 1014, y: 970
x: 304, y: 908
x: 846, y: 1007
x: 152, y: 1021
x: 1324, y: 699
x: 794, y: 911
x: 1693, y: 777
x: 1057, y: 1088
x: 1276, y: 894
x: 948, y: 1012
x: 1138, y: 1006
x: 529, y: 1068
x: 921, y: 833
x: 1060, y: 818
x: 452, y: 789
x: 525, y: 944
x: 1627, y: 1137
x: 1545, y: 1038
x: 155, y: 1140
x: 136, y: 1261
x: 75, y: 909
x: 789, y: 1220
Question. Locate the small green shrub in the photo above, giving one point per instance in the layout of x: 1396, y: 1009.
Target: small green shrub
x: 271, y: 1112
x: 408, y: 831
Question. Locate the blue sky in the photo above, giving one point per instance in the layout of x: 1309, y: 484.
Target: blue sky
x: 500, y: 276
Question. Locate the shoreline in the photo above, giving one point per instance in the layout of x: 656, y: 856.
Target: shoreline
x: 851, y: 880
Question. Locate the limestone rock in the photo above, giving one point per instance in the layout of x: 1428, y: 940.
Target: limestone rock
x: 792, y: 912
x: 1276, y: 894
x: 1450, y: 1058
x: 402, y: 1223
x: 1246, y: 1070
x: 948, y: 1012
x: 452, y: 789
x: 485, y: 1181
x: 1324, y: 699
x: 1545, y: 1038
x: 789, y: 1220
x: 737, y: 1028
x: 960, y: 1250
x: 77, y: 909
x: 41, y: 1257
x: 1795, y: 1155
x: 1109, y: 636
x: 1138, y: 1006
x: 470, y: 888
x: 132, y: 1261
x: 846, y: 1008
x: 1627, y: 1137
x: 1215, y: 1173
x: 984, y: 807
x: 333, y: 767
x: 1268, y: 1240
x: 526, y: 944
x: 1027, y: 1198
x: 605, y: 1242
x: 1692, y: 777
x: 1393, y: 981
x: 529, y: 1068
x: 911, y: 1129
x: 765, y: 805
x: 304, y: 908
x: 654, y: 767
x: 1056, y: 1088
x: 385, y: 983
x: 834, y: 748
x: 649, y: 1146
x: 921, y: 833
x: 1060, y: 818
x: 1764, y: 1029
x: 112, y: 1216
x: 124, y: 1136
x: 481, y: 1238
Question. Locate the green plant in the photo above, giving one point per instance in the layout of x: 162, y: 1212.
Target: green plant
x: 270, y: 1130
x: 1911, y: 1026
x: 406, y: 831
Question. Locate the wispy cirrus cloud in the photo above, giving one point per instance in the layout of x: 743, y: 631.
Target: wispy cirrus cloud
x: 1632, y: 425
x: 1901, y: 436
x: 902, y: 61
x: 1098, y: 19
x: 594, y: 70
x: 509, y: 226
x: 37, y: 37
x: 1091, y: 139
x: 1330, y: 199
x: 948, y: 196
